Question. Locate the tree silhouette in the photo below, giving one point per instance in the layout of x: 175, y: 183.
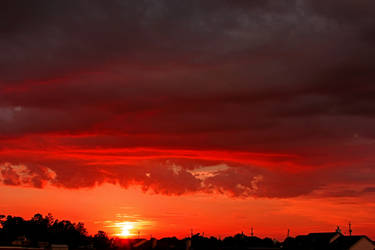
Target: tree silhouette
x: 53, y: 231
x: 43, y: 229
x: 101, y: 241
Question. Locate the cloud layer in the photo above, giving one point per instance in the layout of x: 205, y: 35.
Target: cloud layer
x: 151, y: 92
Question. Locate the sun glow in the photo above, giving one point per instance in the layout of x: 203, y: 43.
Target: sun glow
x: 125, y: 229
x: 129, y: 226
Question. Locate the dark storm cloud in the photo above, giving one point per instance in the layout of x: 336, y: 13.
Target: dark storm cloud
x: 290, y: 77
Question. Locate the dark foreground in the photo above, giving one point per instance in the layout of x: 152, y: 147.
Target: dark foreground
x: 47, y: 233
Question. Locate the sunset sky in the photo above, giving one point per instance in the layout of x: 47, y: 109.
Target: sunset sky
x: 211, y: 115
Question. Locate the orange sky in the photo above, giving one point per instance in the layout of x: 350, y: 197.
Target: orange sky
x: 100, y: 208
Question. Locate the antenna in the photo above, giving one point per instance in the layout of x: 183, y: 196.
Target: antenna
x: 338, y: 230
x: 288, y: 233
x: 252, y: 232
x: 350, y: 229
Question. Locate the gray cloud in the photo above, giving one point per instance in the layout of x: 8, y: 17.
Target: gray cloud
x: 289, y: 77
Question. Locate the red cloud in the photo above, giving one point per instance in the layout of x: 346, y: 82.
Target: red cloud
x: 121, y: 93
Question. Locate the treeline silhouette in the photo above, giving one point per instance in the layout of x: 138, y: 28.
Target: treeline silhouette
x: 46, y: 229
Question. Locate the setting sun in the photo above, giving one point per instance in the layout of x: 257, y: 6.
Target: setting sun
x: 126, y: 228
x: 129, y: 229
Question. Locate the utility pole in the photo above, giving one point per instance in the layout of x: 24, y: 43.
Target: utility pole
x: 252, y: 232
x: 350, y: 229
x: 288, y: 233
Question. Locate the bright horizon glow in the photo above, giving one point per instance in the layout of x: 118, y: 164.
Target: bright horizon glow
x: 125, y: 228
x: 171, y: 216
